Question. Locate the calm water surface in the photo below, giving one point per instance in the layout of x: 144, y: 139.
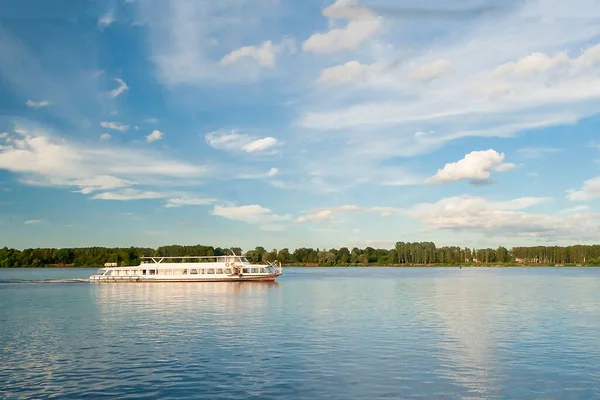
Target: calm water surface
x: 335, y: 333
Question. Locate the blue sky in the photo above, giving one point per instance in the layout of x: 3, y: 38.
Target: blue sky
x: 290, y: 124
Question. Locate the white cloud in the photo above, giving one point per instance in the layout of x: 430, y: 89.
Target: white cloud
x: 128, y: 194
x: 117, y: 126
x: 505, y: 219
x: 475, y: 167
x: 152, y: 120
x: 119, y: 89
x: 234, y: 141
x: 351, y: 71
x: 589, y: 191
x: 265, y: 54
x: 576, y: 209
x: 322, y: 215
x: 105, y: 136
x: 254, y: 215
x: 37, y: 104
x: 272, y: 172
x: 260, y: 144
x: 432, y: 71
x: 34, y: 221
x: 260, y: 175
x: 188, y: 201
x: 106, y: 20
x: 362, y: 26
x: 154, y: 136
x: 99, y: 182
x: 182, y: 46
x: 41, y: 159
x: 474, y: 100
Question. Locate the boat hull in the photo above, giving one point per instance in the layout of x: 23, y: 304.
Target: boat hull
x: 140, y: 279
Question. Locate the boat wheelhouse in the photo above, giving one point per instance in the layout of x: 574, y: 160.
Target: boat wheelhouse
x: 189, y: 269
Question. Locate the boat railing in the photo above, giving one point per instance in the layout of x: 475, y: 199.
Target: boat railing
x: 221, y: 259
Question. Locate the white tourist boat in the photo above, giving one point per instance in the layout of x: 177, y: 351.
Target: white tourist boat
x: 189, y: 269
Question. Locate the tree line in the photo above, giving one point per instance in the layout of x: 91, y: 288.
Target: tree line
x: 403, y: 253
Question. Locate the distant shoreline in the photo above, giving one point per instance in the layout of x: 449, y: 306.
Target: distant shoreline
x: 366, y: 266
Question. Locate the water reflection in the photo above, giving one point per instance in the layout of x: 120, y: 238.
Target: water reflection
x: 467, y: 310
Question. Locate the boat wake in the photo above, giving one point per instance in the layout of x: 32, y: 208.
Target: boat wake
x: 43, y: 280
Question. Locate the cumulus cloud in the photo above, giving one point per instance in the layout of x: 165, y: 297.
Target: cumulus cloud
x: 234, y: 141
x: 37, y: 104
x: 322, y: 215
x: 117, y: 126
x: 362, y: 25
x: 119, y: 89
x: 154, y: 136
x: 504, y: 218
x: 589, y: 191
x: 254, y: 214
x: 475, y: 167
x: 264, y: 55
x: 105, y: 136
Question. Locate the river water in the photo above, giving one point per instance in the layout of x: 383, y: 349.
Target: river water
x: 335, y: 333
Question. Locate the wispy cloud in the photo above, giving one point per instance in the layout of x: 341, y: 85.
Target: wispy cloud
x: 106, y: 20
x: 188, y: 201
x: 117, y: 126
x: 105, y: 136
x: 119, y: 89
x: 325, y: 214
x: 264, y: 55
x: 41, y: 159
x: 234, y: 141
x: 537, y: 152
x: 254, y: 214
x: 37, y: 104
x: 34, y: 221
x: 505, y: 218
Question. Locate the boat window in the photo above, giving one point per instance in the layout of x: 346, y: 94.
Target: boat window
x: 184, y: 272
x: 255, y: 270
x: 246, y: 270
x: 194, y: 271
x: 227, y: 271
x: 210, y: 271
x: 219, y: 271
x: 152, y: 272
